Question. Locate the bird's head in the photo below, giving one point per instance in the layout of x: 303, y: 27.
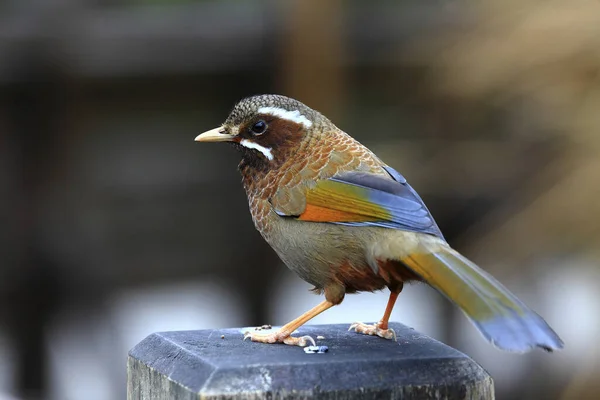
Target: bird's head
x: 266, y: 129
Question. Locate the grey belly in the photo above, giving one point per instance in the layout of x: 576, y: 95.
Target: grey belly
x: 315, y: 250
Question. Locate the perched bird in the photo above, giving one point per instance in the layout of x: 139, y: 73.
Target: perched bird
x: 346, y: 222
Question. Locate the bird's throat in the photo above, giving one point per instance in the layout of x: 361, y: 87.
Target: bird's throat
x: 253, y: 161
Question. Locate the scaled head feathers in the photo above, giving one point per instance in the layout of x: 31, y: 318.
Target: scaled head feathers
x: 273, y: 104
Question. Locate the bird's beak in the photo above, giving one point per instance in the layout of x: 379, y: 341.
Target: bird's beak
x: 215, y: 135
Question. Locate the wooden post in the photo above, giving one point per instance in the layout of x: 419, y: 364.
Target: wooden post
x: 217, y: 364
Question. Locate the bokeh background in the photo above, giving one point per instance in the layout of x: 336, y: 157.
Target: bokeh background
x: 115, y: 224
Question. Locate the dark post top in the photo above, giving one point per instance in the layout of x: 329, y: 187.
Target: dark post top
x: 217, y: 364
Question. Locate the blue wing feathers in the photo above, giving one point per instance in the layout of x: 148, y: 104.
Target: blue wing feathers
x: 397, y: 176
x: 407, y: 209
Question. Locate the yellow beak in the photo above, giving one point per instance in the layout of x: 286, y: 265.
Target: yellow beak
x: 215, y: 135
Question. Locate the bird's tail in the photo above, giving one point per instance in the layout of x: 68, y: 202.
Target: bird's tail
x: 498, y: 314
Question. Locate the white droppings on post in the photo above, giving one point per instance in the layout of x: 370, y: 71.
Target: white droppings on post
x: 267, y: 381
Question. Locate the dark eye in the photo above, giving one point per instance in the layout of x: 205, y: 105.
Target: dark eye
x: 259, y: 127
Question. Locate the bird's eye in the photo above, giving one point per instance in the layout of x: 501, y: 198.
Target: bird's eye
x: 259, y: 127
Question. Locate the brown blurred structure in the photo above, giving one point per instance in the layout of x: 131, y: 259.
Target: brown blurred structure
x: 491, y: 111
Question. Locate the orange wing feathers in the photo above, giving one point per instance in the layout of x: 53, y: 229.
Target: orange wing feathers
x: 333, y: 201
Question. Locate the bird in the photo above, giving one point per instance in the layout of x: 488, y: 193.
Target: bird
x: 346, y: 222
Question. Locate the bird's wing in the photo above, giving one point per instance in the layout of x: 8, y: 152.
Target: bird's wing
x: 361, y: 198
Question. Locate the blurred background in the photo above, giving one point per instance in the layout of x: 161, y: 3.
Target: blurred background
x: 115, y: 224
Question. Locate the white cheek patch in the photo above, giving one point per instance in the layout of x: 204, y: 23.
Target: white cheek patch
x: 264, y: 150
x: 293, y: 116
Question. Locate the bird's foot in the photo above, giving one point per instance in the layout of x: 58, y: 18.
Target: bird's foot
x: 373, y: 330
x: 279, y: 337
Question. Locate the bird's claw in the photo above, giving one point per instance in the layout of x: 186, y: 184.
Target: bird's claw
x: 279, y: 337
x: 299, y: 341
x: 373, y: 330
x: 354, y: 325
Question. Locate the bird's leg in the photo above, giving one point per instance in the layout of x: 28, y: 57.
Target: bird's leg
x: 283, y: 335
x: 381, y: 328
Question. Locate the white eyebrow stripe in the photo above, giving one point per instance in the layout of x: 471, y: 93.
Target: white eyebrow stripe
x: 251, y: 145
x: 293, y: 116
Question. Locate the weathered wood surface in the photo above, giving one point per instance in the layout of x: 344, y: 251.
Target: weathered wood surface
x: 202, y: 364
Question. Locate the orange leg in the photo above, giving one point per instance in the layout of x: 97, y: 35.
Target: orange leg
x: 383, y: 324
x: 283, y: 335
x: 381, y: 328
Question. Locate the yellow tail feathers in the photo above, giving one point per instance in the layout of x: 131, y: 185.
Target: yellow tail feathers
x: 498, y: 314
